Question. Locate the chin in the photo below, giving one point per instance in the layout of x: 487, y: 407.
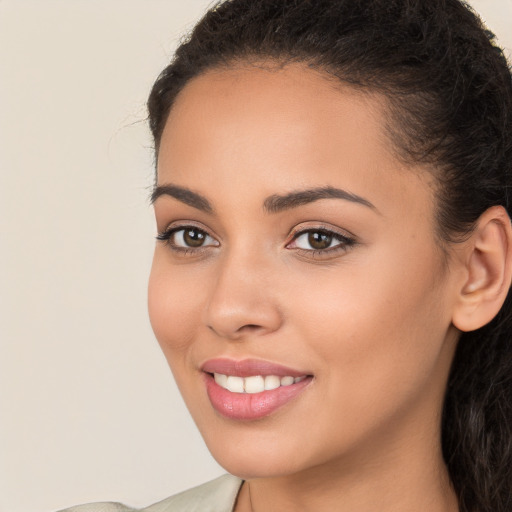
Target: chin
x: 248, y: 467
x: 253, y: 454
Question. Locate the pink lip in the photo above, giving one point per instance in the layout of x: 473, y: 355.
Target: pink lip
x: 248, y: 367
x: 250, y: 406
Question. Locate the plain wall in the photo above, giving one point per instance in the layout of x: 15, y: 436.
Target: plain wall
x: 88, y: 408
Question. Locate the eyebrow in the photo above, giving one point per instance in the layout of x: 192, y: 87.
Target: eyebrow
x: 184, y: 195
x: 272, y: 204
x: 277, y: 203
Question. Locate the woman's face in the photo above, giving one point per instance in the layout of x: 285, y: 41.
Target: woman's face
x: 296, y: 245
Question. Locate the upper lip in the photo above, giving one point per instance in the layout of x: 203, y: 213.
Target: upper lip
x: 249, y: 367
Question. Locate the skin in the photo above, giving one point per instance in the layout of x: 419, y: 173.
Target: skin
x: 371, y: 320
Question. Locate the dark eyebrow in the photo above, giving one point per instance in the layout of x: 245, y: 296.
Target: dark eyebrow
x: 184, y: 195
x: 277, y: 203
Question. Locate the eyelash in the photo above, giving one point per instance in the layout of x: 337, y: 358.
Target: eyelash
x: 345, y: 242
x: 168, y: 235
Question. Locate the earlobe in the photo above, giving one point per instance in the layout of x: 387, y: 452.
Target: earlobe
x: 488, y: 275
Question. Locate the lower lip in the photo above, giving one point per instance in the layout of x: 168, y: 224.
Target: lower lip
x: 251, y: 406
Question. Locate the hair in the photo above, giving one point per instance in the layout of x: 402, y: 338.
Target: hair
x: 449, y: 91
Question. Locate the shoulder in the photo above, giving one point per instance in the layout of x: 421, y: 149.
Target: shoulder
x: 219, y: 495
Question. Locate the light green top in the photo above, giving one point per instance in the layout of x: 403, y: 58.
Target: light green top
x: 219, y: 495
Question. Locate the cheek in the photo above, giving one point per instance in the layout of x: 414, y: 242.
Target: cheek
x: 375, y: 341
x: 174, y: 304
x: 376, y: 328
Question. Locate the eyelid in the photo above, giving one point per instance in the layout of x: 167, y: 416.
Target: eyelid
x: 184, y: 224
x: 166, y: 235
x: 346, y: 240
x: 301, y: 229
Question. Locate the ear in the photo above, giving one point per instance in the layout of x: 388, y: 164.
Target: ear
x: 488, y: 271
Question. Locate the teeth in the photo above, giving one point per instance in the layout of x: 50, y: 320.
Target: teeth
x: 220, y: 379
x: 287, y: 381
x: 235, y: 384
x: 254, y: 383
x: 272, y: 382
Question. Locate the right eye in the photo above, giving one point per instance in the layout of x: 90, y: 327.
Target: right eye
x: 187, y: 238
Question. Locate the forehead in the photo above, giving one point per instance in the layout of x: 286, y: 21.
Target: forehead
x: 279, y: 129
x: 283, y: 102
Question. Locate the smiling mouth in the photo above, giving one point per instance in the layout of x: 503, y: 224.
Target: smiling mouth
x: 253, y: 397
x: 254, y: 383
x: 251, y: 389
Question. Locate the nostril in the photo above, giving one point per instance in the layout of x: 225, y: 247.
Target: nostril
x: 249, y: 327
x: 244, y: 329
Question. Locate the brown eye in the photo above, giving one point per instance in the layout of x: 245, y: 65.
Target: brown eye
x: 188, y: 237
x: 193, y: 237
x: 319, y: 240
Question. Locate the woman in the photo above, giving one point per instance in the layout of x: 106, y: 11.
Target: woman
x: 333, y: 261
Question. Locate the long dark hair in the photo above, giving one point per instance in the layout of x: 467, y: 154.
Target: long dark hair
x: 449, y: 90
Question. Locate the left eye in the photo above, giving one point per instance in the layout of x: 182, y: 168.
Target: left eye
x: 191, y: 237
x: 188, y: 237
x: 318, y: 240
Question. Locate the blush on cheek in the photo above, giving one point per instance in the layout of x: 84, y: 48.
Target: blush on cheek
x: 170, y: 315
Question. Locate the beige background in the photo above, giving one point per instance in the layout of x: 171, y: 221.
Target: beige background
x: 88, y: 409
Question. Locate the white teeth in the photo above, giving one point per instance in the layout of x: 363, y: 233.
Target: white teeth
x: 221, y: 379
x: 254, y: 383
x: 272, y: 382
x: 235, y: 384
x: 287, y: 381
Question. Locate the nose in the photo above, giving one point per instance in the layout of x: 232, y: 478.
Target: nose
x: 242, y: 301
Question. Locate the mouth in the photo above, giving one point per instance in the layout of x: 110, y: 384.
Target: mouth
x: 254, y: 383
x: 251, y: 389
